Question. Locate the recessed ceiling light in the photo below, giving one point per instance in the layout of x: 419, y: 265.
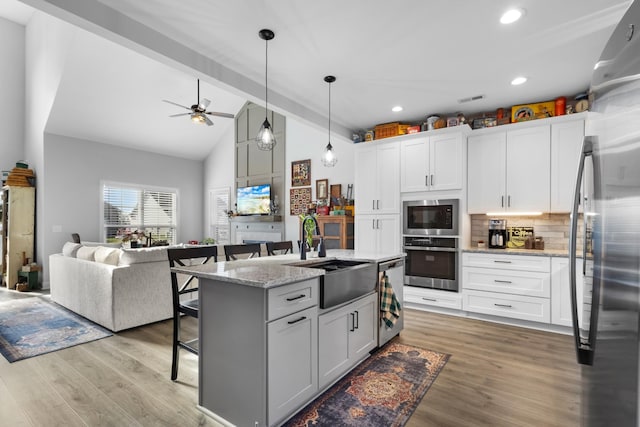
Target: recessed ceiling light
x: 397, y: 108
x: 518, y: 81
x: 511, y: 16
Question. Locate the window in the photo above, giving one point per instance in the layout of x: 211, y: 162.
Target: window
x: 129, y: 208
x: 219, y: 220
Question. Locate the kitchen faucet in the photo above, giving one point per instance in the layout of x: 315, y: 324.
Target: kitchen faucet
x: 303, y: 243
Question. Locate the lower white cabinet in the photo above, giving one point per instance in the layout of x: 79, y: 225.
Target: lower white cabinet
x: 292, y: 362
x: 561, y: 310
x: 345, y: 337
x: 431, y: 297
x: 507, y: 285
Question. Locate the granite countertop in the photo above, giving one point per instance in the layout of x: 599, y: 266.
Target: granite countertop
x: 272, y: 271
x: 535, y: 252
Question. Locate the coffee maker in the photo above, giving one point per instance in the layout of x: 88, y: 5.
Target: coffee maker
x: 497, y: 233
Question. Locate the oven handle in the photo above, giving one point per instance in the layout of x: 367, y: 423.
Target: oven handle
x: 429, y: 248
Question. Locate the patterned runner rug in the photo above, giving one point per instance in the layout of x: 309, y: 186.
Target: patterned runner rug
x: 384, y: 390
x: 31, y: 327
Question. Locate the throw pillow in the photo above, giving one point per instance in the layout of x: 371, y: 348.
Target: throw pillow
x: 70, y: 249
x: 107, y: 255
x: 87, y: 253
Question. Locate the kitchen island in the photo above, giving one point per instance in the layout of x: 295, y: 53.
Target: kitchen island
x: 264, y: 342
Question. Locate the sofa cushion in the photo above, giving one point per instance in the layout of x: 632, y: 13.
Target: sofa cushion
x: 107, y: 255
x: 70, y: 249
x: 137, y: 256
x: 109, y: 245
x: 86, y: 253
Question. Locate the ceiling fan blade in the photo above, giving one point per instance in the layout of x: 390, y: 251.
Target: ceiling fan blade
x: 203, y: 104
x: 171, y: 102
x: 181, y: 114
x: 207, y: 121
x: 215, y: 113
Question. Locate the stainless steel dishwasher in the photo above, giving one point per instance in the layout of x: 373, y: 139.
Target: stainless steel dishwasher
x: 394, y: 269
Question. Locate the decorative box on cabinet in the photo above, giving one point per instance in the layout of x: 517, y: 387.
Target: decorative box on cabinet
x: 516, y: 286
x: 337, y: 230
x: 18, y: 221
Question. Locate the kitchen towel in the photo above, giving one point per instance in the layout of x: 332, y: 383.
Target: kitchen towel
x: 389, y: 304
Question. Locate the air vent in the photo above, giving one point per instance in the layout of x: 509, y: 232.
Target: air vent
x: 471, y: 98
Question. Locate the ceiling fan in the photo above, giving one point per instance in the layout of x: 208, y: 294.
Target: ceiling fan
x: 198, y: 112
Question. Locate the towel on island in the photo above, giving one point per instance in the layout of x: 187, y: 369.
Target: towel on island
x: 389, y: 304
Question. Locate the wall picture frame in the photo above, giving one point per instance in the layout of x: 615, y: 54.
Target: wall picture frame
x: 299, y: 199
x: 336, y: 194
x: 322, y: 189
x: 301, y: 173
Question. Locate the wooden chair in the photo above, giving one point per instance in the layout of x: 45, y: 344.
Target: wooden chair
x: 75, y: 237
x: 182, y: 257
x: 230, y: 251
x: 282, y: 247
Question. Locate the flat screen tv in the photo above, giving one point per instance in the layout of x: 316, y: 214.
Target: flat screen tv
x: 254, y: 200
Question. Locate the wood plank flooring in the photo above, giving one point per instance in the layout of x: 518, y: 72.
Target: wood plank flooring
x: 497, y: 376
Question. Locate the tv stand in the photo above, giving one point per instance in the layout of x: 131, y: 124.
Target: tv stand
x: 256, y: 228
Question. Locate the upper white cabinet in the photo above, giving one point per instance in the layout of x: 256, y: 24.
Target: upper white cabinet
x: 432, y: 163
x: 566, y: 143
x: 509, y: 170
x: 377, y: 178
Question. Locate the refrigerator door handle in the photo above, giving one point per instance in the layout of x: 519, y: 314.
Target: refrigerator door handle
x: 584, y: 352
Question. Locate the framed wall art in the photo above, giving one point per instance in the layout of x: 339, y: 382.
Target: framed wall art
x: 322, y: 189
x: 336, y: 193
x: 301, y: 173
x: 299, y: 198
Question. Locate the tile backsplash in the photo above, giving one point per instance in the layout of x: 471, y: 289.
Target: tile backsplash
x: 553, y: 228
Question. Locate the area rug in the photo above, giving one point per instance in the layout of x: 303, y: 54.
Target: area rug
x: 384, y: 390
x: 31, y: 327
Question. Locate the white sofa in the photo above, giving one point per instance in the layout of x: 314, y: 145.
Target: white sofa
x: 116, y: 288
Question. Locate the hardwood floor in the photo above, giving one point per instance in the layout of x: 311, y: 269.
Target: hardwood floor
x: 497, y: 376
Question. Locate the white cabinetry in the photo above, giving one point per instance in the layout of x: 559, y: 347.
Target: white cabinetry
x: 346, y: 335
x: 516, y: 286
x: 561, y: 310
x: 377, y: 233
x: 566, y: 143
x: 509, y: 170
x: 377, y: 178
x: 431, y: 163
x: 414, y: 296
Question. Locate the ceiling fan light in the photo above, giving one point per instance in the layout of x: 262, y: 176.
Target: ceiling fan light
x: 265, y: 140
x: 329, y: 158
x: 197, y: 118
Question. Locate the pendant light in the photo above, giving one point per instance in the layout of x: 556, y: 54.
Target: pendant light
x: 329, y: 158
x: 266, y: 140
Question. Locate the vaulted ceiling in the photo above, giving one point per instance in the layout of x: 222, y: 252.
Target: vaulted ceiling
x: 421, y: 54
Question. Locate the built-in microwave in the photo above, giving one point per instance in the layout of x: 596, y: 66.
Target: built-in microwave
x: 430, y: 217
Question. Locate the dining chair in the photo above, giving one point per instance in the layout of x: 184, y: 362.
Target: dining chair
x: 230, y: 251
x: 285, y: 247
x: 187, y: 307
x: 75, y: 237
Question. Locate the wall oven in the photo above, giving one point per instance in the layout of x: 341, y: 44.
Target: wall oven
x: 430, y: 229
x: 430, y: 217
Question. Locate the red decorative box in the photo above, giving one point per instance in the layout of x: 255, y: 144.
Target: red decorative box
x: 413, y: 129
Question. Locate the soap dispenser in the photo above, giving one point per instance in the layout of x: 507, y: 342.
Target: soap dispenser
x: 322, y: 252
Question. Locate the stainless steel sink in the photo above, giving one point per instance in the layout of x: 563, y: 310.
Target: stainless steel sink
x: 345, y: 280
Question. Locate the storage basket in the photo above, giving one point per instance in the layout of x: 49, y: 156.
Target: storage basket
x: 390, y: 129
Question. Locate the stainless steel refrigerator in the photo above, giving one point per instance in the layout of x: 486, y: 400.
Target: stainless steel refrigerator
x: 605, y: 235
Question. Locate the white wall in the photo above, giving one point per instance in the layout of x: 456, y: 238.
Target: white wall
x: 75, y: 169
x: 219, y: 172
x: 12, y: 87
x: 308, y: 142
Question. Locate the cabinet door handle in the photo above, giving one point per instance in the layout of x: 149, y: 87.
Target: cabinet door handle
x: 377, y: 224
x: 501, y: 261
x: 503, y: 305
x: 295, y: 298
x: 357, y: 320
x: 373, y: 224
x: 373, y: 205
x: 429, y: 299
x: 432, y: 179
x: 353, y: 322
x: 509, y: 201
x: 378, y: 204
x: 291, y: 322
x: 502, y: 201
x: 426, y: 180
x: 503, y: 281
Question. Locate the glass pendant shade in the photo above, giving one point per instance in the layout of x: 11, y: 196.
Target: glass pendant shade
x: 329, y: 158
x: 265, y: 139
